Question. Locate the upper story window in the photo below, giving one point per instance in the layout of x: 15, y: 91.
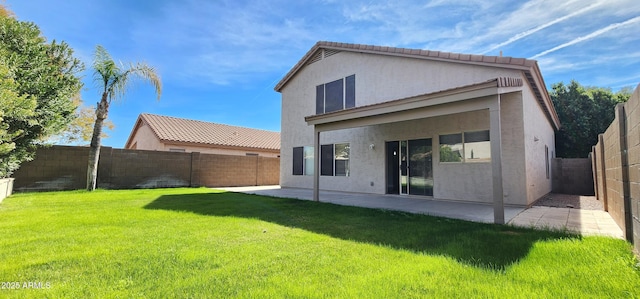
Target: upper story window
x: 336, y: 95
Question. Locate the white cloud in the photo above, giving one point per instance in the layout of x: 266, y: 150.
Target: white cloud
x: 588, y: 36
x: 541, y: 27
x: 575, y: 63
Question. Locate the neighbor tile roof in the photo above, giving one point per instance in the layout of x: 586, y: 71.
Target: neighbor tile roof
x: 175, y: 129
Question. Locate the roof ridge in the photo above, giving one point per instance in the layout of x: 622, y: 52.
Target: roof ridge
x: 421, y: 52
x: 206, y: 122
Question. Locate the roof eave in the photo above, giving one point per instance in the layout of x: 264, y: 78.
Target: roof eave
x: 134, y: 130
x: 544, y: 99
x: 220, y: 146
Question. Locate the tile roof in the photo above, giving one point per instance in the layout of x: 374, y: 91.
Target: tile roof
x: 175, y: 129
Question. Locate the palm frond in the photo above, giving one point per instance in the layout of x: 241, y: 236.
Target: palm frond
x: 117, y: 78
x: 149, y: 74
x: 104, y: 68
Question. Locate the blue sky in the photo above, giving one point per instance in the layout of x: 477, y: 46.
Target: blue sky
x: 219, y: 60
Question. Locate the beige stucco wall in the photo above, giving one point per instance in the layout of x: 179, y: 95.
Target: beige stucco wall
x: 145, y: 139
x: 538, y: 133
x: 513, y: 158
x: 380, y: 79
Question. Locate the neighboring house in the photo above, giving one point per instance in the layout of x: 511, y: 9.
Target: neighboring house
x: 165, y: 133
x: 389, y: 120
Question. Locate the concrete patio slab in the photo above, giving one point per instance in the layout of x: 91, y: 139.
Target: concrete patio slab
x: 586, y: 222
x: 413, y: 204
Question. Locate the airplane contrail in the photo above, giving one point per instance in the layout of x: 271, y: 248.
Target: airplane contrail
x: 588, y: 36
x: 543, y: 26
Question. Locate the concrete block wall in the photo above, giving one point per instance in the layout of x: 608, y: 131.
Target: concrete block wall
x: 65, y: 167
x: 227, y: 170
x: 127, y: 169
x: 616, y: 161
x: 613, y: 172
x: 54, y: 168
x: 632, y: 114
x: 572, y: 176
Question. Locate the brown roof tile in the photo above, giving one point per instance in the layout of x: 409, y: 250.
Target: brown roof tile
x: 175, y: 129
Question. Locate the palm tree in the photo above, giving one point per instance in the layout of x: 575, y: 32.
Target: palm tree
x: 115, y: 80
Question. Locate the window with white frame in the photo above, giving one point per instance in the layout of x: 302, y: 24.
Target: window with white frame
x: 473, y: 146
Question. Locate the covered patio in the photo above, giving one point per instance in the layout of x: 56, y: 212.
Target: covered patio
x: 475, y: 97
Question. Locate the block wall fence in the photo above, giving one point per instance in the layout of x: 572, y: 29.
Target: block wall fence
x: 65, y: 168
x: 572, y: 176
x: 616, y: 165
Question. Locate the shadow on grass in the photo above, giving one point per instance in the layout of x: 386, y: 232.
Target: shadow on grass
x: 484, y: 245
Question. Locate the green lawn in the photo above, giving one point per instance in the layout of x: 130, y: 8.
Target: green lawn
x: 197, y: 243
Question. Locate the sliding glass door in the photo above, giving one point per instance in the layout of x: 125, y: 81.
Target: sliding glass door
x: 410, y: 167
x: 420, y: 167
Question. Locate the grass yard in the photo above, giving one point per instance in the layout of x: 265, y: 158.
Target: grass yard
x: 200, y: 243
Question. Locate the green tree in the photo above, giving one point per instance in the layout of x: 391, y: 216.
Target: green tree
x: 14, y: 107
x: 114, y: 79
x: 584, y: 113
x: 33, y: 70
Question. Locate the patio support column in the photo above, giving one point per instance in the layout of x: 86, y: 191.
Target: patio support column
x: 495, y: 133
x: 316, y: 164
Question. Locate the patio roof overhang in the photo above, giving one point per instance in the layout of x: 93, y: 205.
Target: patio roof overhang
x: 481, y: 96
x: 461, y: 99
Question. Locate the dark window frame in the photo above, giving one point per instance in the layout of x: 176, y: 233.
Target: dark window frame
x: 336, y: 95
x: 326, y: 159
x: 298, y: 160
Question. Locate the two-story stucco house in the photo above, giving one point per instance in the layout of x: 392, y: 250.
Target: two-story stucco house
x: 385, y: 120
